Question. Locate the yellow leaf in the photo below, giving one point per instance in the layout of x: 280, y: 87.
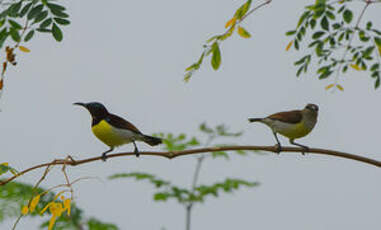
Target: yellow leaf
x: 67, y: 206
x: 34, y: 203
x: 230, y: 22
x: 329, y: 86
x: 24, y: 210
x: 243, y: 33
x: 24, y: 49
x: 340, y: 87
x: 5, y: 163
x: 51, y: 222
x: 356, y: 67
x: 379, y: 49
x: 46, y: 207
x: 289, y: 45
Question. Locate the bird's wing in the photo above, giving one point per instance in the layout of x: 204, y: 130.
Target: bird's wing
x: 293, y: 117
x: 120, y: 123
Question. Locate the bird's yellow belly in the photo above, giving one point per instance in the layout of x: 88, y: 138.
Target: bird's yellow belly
x: 294, y: 131
x: 104, y: 132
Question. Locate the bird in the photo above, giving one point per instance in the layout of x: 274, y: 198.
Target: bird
x: 291, y: 124
x: 113, y: 130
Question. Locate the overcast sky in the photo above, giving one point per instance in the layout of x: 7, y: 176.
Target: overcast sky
x: 131, y: 57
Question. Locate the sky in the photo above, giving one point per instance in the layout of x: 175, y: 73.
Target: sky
x: 131, y: 57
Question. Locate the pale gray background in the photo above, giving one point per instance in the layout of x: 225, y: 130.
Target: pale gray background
x: 130, y: 55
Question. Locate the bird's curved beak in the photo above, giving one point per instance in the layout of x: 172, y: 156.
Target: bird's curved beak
x: 80, y: 104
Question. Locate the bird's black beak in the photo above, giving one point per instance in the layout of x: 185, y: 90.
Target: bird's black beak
x: 80, y: 104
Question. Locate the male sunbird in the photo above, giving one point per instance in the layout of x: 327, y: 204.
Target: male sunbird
x: 114, y: 130
x: 292, y: 124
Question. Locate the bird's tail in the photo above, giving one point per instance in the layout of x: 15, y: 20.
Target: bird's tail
x: 152, y: 140
x: 255, y: 119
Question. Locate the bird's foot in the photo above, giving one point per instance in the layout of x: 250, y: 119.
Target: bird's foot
x: 74, y: 162
x: 305, y: 149
x: 279, y: 148
x: 136, y: 151
x: 104, y: 157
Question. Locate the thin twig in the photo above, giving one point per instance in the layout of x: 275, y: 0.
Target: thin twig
x: 174, y: 154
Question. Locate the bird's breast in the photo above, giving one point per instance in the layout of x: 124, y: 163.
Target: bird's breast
x: 290, y: 130
x: 110, y: 135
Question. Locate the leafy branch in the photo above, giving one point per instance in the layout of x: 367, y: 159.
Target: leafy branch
x: 331, y: 32
x: 213, y: 44
x: 20, y: 20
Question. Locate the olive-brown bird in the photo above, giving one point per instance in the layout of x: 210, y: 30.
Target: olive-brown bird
x: 114, y: 130
x: 291, y: 124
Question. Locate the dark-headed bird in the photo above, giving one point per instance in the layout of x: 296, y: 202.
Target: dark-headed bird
x: 291, y: 124
x: 113, y: 130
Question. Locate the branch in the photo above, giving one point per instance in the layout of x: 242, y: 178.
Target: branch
x: 173, y: 154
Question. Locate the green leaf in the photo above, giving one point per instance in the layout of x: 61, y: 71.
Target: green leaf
x: 14, y: 24
x: 348, y: 16
x: 35, y: 11
x: 46, y: 23
x: 330, y: 15
x: 302, y: 18
x: 29, y: 35
x: 377, y: 40
x: 25, y: 10
x: 216, y: 57
x: 312, y: 23
x: 161, y: 196
x: 291, y: 32
x: 377, y: 83
x: 94, y: 224
x: 57, y: 33
x: 41, y: 16
x: 56, y: 7
x: 369, y: 25
x: 57, y: 10
x: 363, y: 37
x: 157, y: 182
x: 14, y: 35
x: 205, y: 128
x: 3, y: 36
x: 14, y: 9
x: 375, y: 67
x: 220, y: 154
x: 317, y: 35
x: 43, y: 30
x: 242, y: 10
x: 62, y: 21
x: 324, y: 23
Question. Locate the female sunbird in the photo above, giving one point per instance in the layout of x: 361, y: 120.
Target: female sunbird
x: 114, y: 130
x: 292, y: 124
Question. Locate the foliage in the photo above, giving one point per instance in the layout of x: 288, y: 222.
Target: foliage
x: 333, y: 32
x: 181, y: 142
x: 41, y: 16
x: 212, y: 46
x: 4, y: 168
x: 21, y: 20
x: 167, y: 191
x: 15, y: 195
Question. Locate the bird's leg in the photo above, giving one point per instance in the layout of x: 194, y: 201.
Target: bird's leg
x: 104, y: 157
x: 305, y: 148
x: 136, y: 151
x: 71, y: 159
x: 278, y: 143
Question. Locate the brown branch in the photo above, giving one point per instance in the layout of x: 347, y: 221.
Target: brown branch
x: 173, y: 154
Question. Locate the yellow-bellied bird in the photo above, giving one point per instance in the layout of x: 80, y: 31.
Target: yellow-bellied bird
x: 292, y: 124
x: 113, y: 130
